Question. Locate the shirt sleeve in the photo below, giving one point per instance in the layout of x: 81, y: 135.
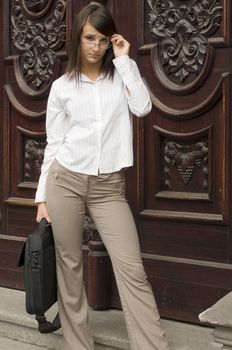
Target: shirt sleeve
x: 56, y: 127
x: 138, y: 97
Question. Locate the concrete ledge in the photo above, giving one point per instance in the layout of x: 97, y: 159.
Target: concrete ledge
x: 219, y: 315
x: 109, y: 330
x: 9, y: 344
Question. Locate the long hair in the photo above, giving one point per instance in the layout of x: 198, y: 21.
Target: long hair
x: 100, y: 18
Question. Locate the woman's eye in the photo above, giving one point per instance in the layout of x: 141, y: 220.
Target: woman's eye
x: 89, y: 38
x: 104, y: 41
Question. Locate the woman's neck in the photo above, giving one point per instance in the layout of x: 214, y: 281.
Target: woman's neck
x: 91, y: 71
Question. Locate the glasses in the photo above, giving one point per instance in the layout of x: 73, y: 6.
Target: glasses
x: 90, y: 42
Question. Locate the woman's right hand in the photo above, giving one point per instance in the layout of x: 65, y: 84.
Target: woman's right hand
x: 42, y: 212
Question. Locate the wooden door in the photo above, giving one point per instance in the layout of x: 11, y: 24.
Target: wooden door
x: 33, y: 52
x: 179, y: 188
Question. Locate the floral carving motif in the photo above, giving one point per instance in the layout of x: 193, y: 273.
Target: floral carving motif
x: 186, y: 159
x: 34, y: 153
x: 36, y: 5
x: 90, y: 231
x: 183, y: 32
x: 38, y: 42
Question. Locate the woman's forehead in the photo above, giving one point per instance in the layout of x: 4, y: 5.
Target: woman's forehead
x: 89, y: 29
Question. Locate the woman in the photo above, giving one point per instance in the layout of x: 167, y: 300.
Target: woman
x: 89, y: 145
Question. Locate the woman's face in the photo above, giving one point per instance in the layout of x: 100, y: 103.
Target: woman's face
x: 93, y: 45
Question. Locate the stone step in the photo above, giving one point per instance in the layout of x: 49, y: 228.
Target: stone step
x: 19, y: 330
x: 10, y: 344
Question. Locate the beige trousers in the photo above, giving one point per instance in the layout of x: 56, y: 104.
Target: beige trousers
x: 68, y: 194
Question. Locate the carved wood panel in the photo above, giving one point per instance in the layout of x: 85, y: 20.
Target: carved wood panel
x: 38, y: 33
x: 183, y: 150
x: 182, y: 166
x: 185, y: 35
x: 33, y: 54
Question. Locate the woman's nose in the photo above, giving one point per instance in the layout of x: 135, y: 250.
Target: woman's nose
x: 96, y: 47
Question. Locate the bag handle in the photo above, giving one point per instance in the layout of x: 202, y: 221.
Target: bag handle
x: 42, y: 224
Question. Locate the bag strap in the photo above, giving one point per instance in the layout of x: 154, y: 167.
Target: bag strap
x: 45, y: 326
x: 21, y: 259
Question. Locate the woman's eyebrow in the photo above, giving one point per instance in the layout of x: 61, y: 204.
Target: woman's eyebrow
x: 94, y: 36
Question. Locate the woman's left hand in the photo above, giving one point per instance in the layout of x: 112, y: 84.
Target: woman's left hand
x: 120, y: 45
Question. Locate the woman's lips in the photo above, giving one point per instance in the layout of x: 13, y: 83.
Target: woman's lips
x: 94, y: 55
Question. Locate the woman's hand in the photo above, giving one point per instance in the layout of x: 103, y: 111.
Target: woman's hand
x: 120, y: 45
x: 42, y: 212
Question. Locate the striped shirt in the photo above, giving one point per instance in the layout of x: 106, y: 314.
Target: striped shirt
x: 89, y: 124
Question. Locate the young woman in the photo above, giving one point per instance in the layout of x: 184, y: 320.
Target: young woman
x: 89, y: 145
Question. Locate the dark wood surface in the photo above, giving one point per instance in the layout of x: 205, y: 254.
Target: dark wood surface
x: 179, y: 188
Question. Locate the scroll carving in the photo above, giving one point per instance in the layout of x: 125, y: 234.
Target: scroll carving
x: 90, y: 231
x: 103, y: 2
x: 37, y: 42
x: 36, y: 5
x: 34, y: 154
x: 19, y: 107
x: 186, y: 159
x: 182, y: 33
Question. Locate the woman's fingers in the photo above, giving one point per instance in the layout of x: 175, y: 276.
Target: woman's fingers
x: 118, y: 39
x: 42, y: 213
x: 120, y: 45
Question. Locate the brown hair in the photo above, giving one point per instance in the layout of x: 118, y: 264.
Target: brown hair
x: 100, y: 18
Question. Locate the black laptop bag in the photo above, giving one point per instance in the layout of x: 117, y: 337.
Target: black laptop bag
x: 39, y: 265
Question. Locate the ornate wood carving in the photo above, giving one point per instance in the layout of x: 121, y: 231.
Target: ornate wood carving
x: 36, y: 5
x: 36, y: 43
x: 34, y: 153
x: 103, y: 2
x: 182, y: 32
x: 184, y: 164
x: 32, y: 147
x: 186, y: 159
x: 90, y: 231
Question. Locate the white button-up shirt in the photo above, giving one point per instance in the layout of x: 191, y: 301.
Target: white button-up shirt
x: 89, y: 124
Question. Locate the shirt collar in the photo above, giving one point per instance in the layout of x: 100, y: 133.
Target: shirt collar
x: 84, y: 78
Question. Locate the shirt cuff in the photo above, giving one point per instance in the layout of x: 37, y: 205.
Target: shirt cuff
x: 40, y: 200
x: 126, y: 68
x: 40, y: 194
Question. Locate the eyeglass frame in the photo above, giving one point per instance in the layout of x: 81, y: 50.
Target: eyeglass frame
x: 92, y: 44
